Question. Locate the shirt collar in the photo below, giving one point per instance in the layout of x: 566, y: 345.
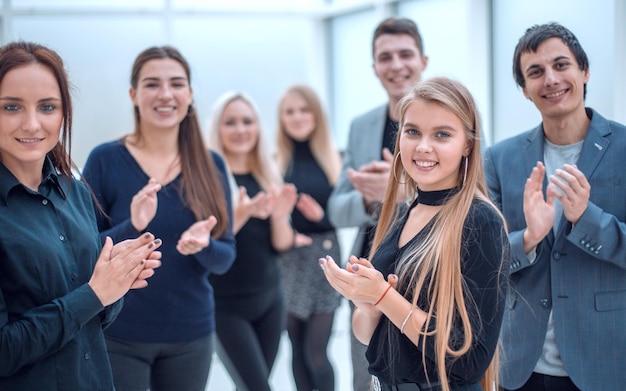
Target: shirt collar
x: 8, y: 181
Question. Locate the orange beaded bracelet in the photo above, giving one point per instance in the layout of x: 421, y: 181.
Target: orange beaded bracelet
x: 384, y: 293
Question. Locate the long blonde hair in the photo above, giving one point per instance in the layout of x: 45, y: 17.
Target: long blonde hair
x: 438, y: 257
x: 321, y: 141
x: 263, y: 167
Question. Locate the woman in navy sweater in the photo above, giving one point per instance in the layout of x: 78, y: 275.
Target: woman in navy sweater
x: 249, y: 299
x: 162, y: 178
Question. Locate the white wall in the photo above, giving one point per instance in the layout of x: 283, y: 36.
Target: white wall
x: 259, y: 54
x: 455, y: 34
x: 262, y: 48
x: 354, y: 86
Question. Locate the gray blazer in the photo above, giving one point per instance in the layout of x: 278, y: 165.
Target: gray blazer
x: 345, y: 206
x: 579, y: 273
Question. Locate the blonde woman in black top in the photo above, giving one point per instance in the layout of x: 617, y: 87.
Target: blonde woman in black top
x: 433, y: 322
x: 307, y: 158
x: 248, y: 298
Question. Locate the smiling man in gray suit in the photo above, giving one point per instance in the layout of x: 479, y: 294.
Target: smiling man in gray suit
x: 562, y: 190
x: 399, y: 61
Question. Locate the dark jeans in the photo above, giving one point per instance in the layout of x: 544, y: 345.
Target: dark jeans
x: 161, y: 366
x: 539, y: 382
x: 427, y: 387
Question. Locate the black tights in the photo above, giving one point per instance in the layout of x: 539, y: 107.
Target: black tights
x: 248, y: 340
x: 309, y: 339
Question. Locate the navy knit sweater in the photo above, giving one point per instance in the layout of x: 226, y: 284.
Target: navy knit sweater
x: 177, y: 306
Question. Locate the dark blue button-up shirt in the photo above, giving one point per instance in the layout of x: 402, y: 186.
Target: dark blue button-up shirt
x: 50, y: 319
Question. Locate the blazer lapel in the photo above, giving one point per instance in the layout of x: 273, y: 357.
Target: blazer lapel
x: 534, y: 153
x: 373, y: 136
x: 595, y: 145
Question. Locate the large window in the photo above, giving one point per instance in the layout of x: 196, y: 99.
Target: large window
x: 263, y: 47
x: 260, y: 54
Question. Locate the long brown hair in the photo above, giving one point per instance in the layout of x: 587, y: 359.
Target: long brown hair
x: 20, y: 53
x: 202, y: 186
x: 321, y: 141
x: 444, y: 242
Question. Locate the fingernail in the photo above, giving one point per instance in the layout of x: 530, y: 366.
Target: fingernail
x: 157, y: 241
x: 150, y: 245
x: 146, y: 235
x: 355, y: 267
x: 321, y: 262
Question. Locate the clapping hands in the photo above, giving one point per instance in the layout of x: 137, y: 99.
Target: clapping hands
x: 127, y: 265
x: 197, y: 237
x: 143, y: 206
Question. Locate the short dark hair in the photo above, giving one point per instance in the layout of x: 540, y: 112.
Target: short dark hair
x: 537, y: 34
x: 396, y: 25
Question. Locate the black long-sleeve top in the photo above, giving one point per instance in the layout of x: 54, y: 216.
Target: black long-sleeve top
x: 255, y: 270
x: 51, y: 320
x: 309, y: 178
x: 484, y: 249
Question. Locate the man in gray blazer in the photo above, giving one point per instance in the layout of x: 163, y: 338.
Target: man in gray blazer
x: 562, y: 190
x: 398, y: 63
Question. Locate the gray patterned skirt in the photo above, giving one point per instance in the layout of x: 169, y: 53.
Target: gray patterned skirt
x: 305, y: 288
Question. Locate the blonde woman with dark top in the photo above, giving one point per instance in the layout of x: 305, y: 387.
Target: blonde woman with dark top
x: 307, y: 158
x: 250, y: 312
x: 430, y: 302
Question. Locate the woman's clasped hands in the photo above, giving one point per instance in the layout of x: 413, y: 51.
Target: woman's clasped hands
x: 124, y: 266
x: 359, y: 282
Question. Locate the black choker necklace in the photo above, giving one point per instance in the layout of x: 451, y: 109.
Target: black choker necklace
x: 435, y: 198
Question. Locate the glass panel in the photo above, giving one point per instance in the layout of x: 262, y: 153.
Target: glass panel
x: 514, y: 113
x: 457, y: 48
x: 91, y: 4
x: 234, y: 4
x: 258, y: 55
x: 355, y: 88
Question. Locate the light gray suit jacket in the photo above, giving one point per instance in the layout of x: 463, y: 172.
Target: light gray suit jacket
x: 579, y: 273
x: 345, y: 206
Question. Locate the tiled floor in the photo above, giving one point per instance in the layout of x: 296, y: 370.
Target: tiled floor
x: 338, y: 349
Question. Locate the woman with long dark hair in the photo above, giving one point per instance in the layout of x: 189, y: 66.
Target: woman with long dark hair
x: 162, y: 178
